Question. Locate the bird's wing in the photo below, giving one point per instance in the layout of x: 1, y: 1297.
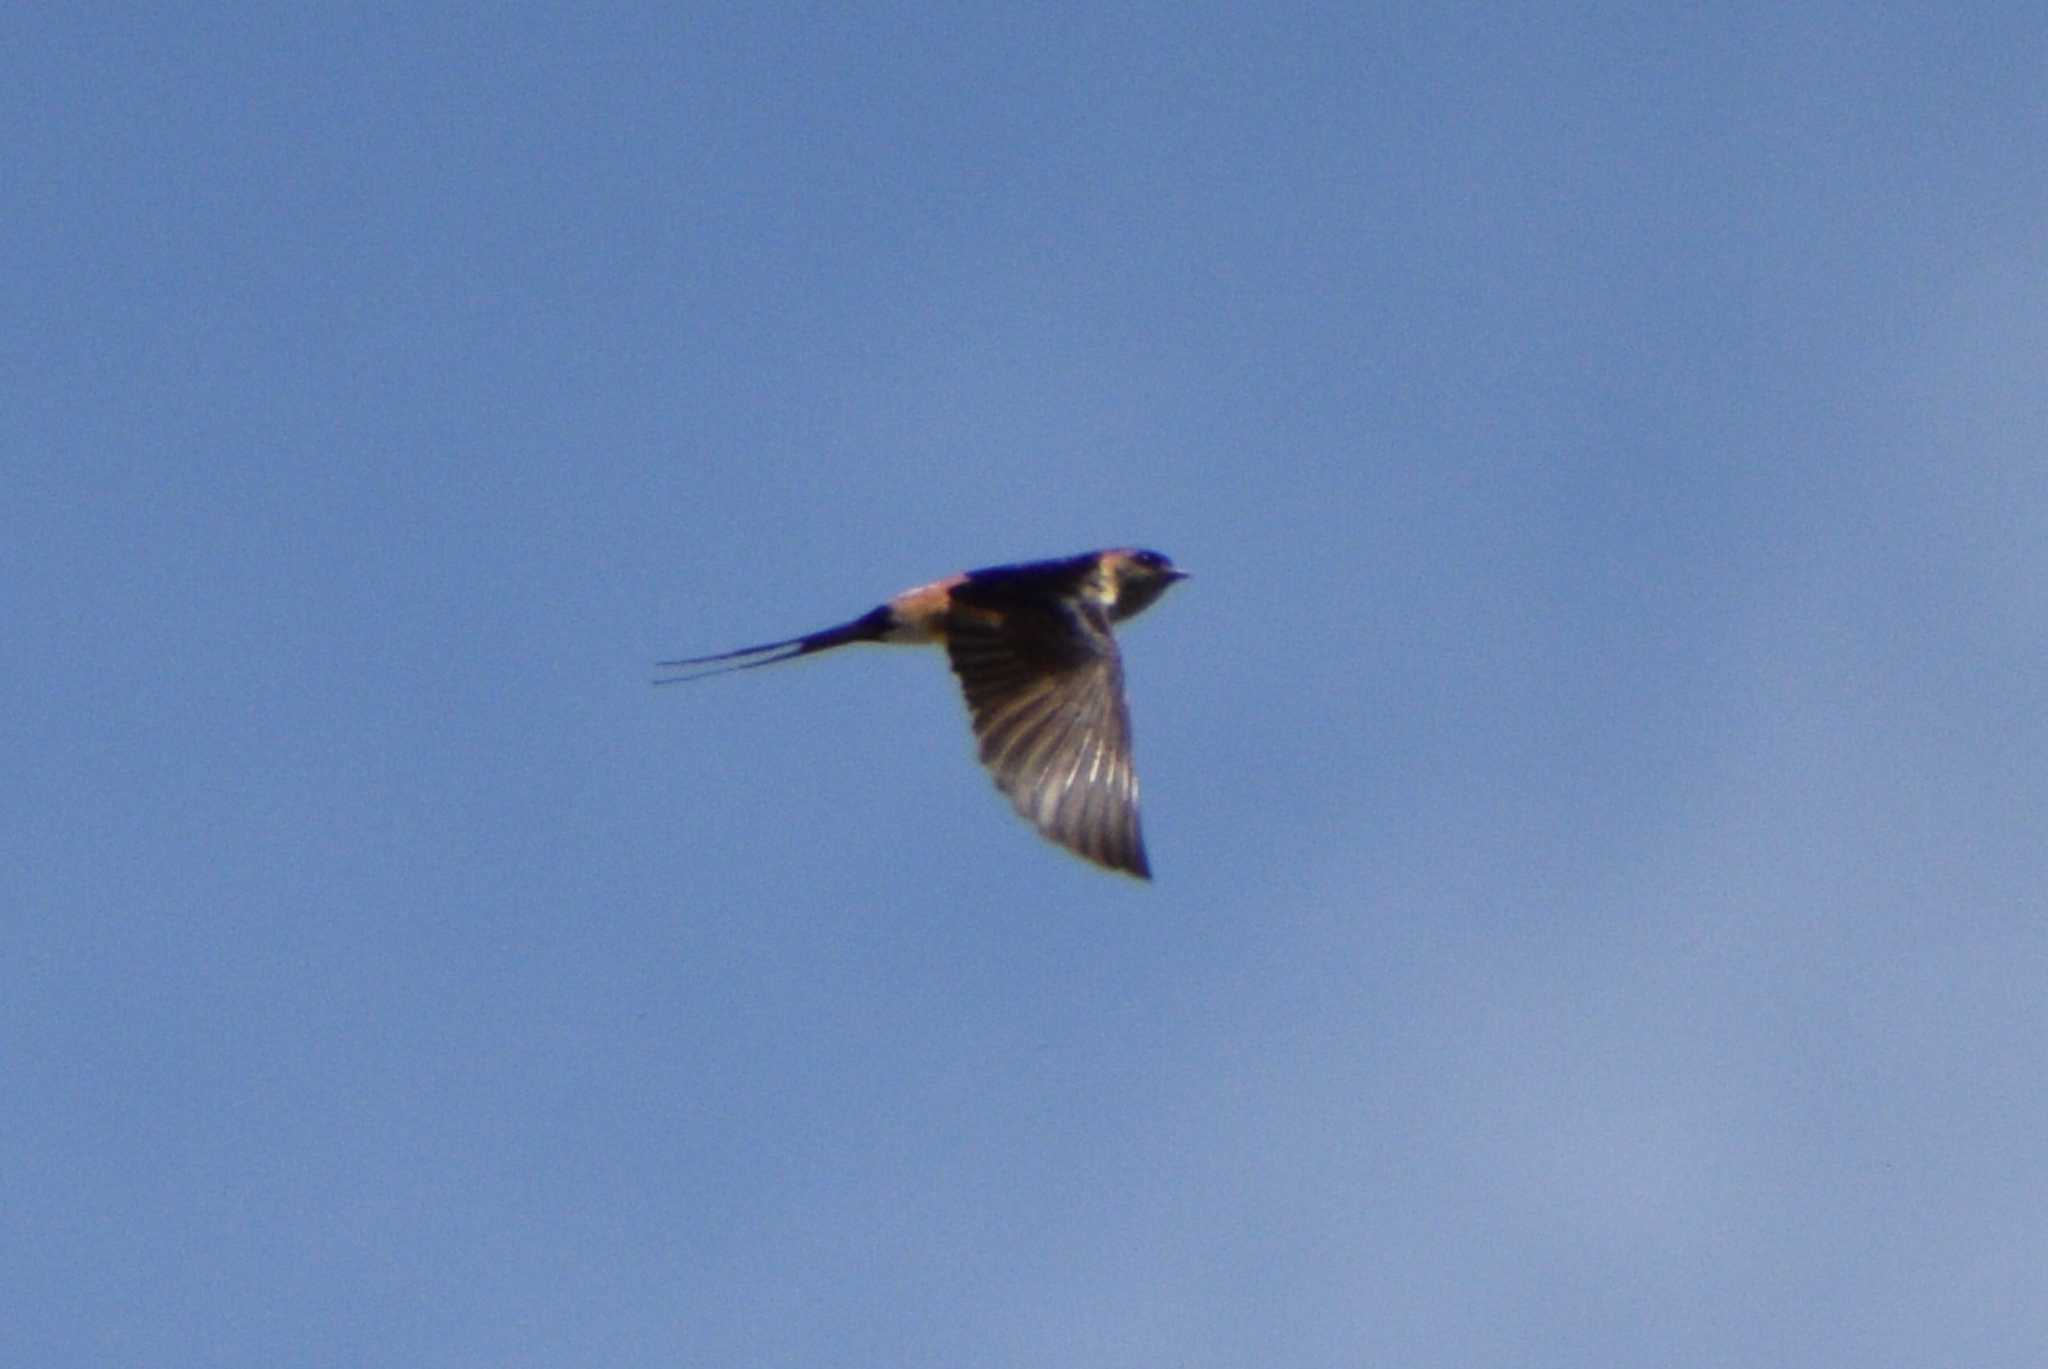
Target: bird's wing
x: 1045, y: 689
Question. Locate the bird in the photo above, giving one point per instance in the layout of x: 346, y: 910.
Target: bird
x: 1038, y: 663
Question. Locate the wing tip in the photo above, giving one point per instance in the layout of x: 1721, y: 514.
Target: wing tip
x: 1122, y: 860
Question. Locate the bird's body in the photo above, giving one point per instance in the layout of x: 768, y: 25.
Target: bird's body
x: 1032, y: 646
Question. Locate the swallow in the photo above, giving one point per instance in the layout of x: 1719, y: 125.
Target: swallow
x: 1032, y: 646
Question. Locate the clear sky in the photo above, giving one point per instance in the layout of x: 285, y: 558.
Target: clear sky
x: 1597, y: 778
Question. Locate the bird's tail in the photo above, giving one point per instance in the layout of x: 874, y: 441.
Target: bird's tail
x: 873, y: 626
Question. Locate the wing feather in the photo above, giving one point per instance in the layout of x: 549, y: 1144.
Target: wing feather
x: 1044, y: 687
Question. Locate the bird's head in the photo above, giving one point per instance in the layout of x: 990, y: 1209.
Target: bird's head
x: 1137, y: 578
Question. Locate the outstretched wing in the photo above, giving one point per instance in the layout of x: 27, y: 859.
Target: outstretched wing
x: 1045, y: 689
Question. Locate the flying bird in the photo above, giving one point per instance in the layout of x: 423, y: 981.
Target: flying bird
x: 1044, y: 682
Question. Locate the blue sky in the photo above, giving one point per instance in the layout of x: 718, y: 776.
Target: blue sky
x: 1596, y: 779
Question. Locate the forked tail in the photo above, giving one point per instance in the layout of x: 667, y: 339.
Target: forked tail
x: 869, y: 627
